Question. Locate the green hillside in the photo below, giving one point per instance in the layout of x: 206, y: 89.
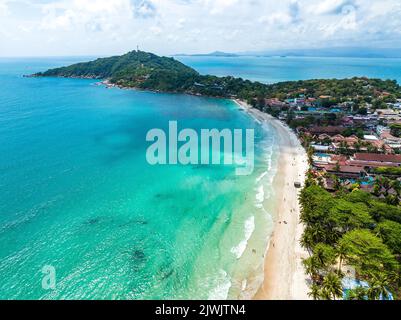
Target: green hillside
x: 142, y: 70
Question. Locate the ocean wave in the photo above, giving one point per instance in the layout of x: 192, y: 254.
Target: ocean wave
x: 220, y: 292
x: 239, y: 250
x: 260, y: 196
x: 258, y: 179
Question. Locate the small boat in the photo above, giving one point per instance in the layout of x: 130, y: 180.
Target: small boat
x: 298, y: 185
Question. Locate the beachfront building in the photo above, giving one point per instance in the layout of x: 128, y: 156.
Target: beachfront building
x: 390, y: 140
x: 373, y: 160
x: 321, y: 159
x: 275, y: 103
x: 329, y: 130
x: 388, y: 115
x: 345, y: 172
x: 321, y: 148
x: 370, y: 137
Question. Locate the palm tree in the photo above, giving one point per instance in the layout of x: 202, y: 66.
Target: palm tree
x: 320, y: 181
x: 376, y: 189
x: 392, y: 200
x: 396, y: 185
x: 317, y: 233
x: 378, y: 286
x: 341, y: 251
x: 337, y: 167
x: 344, y: 147
x: 306, y: 140
x: 370, y: 148
x: 307, y: 242
x: 315, y: 292
x: 332, y: 287
x: 310, y: 154
x: 385, y: 182
x: 324, y: 256
x: 312, y: 268
x: 336, y: 183
x: 359, y: 293
x: 358, y: 145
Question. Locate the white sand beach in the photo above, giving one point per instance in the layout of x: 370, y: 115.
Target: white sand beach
x: 284, y: 276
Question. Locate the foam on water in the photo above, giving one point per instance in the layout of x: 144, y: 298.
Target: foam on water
x: 220, y: 292
x: 249, y: 227
x: 261, y: 176
x: 260, y: 196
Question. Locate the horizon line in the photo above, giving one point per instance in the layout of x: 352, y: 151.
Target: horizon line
x: 291, y: 52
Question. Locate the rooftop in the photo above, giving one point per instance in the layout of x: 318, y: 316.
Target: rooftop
x: 345, y: 169
x: 370, y: 137
x: 329, y: 130
x: 392, y: 158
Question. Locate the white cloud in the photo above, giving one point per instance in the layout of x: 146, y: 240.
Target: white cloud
x: 78, y: 13
x: 330, y: 6
x: 3, y: 8
x: 220, y: 6
x: 45, y: 27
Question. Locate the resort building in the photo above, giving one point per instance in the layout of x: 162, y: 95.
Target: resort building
x: 388, y: 115
x: 390, y: 140
x: 329, y: 130
x: 345, y: 172
x: 375, y: 160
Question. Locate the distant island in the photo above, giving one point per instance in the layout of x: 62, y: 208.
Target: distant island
x: 212, y: 54
x: 331, y: 52
x: 334, y: 52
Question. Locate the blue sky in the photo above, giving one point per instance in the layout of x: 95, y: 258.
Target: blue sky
x: 103, y: 27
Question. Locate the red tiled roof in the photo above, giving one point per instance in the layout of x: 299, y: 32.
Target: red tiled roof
x: 337, y: 157
x: 340, y: 159
x: 329, y: 130
x: 373, y: 164
x: 387, y: 135
x: 338, y: 137
x: 352, y: 138
x: 388, y: 149
x: 345, y: 169
x: 393, y: 158
x: 367, y: 188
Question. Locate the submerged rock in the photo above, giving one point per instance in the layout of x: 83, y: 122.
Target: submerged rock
x: 138, y: 255
x: 93, y: 221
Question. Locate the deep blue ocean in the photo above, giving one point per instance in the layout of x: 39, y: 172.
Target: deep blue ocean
x: 278, y: 69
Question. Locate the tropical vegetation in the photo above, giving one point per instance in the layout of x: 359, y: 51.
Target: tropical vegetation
x: 350, y: 230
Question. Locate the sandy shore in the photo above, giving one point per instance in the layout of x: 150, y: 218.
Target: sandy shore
x: 284, y: 276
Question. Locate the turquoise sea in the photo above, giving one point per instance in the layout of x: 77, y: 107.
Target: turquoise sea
x: 77, y: 194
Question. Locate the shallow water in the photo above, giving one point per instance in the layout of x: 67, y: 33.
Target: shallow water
x: 77, y: 194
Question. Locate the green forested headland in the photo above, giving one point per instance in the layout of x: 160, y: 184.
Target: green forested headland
x: 147, y: 71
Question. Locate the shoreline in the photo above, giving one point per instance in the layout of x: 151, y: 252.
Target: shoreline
x: 284, y: 275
